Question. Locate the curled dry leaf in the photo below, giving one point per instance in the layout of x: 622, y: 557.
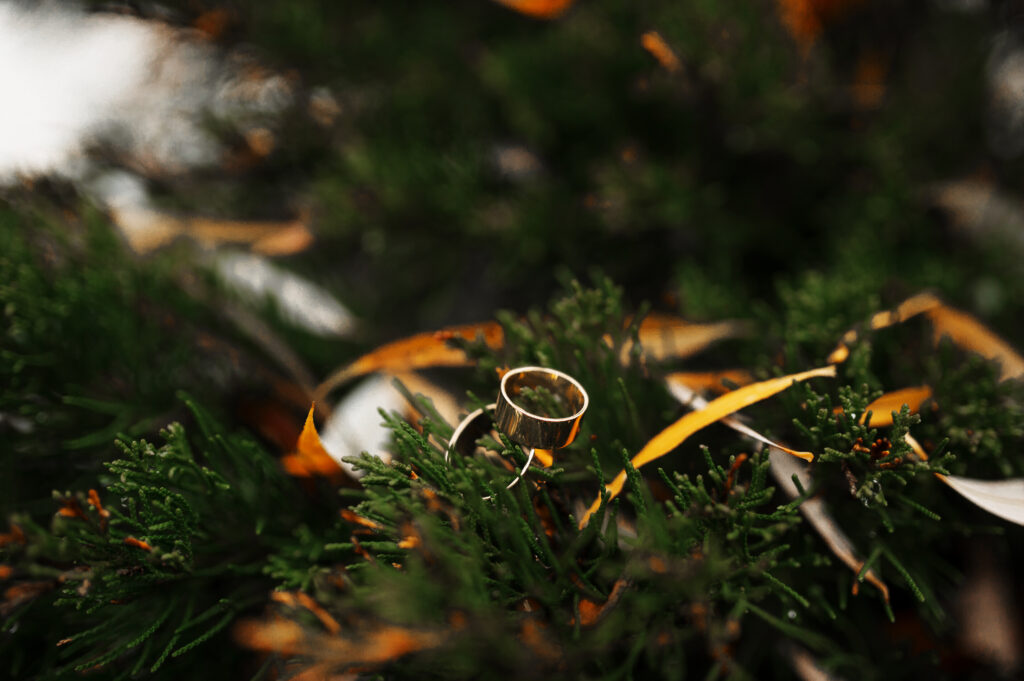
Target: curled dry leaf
x: 1003, y: 498
x: 665, y: 336
x: 690, y: 423
x: 689, y: 397
x: 430, y: 349
x: 911, y: 307
x: 711, y: 380
x: 310, y: 458
x: 963, y: 329
x: 783, y: 468
x: 661, y: 337
x: 970, y: 334
x: 881, y: 409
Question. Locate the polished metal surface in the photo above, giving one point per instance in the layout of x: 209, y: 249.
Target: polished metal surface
x: 534, y: 430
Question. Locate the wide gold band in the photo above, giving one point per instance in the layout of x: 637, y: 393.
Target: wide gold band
x: 534, y: 430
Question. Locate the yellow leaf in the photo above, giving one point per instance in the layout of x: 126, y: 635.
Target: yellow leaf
x: 310, y: 458
x: 688, y: 396
x: 911, y: 307
x: 430, y: 349
x: 674, y: 435
x: 665, y: 336
x: 970, y: 334
x: 710, y: 380
x: 882, y: 408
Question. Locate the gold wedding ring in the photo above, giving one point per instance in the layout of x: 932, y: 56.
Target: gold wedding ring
x: 555, y: 390
x: 537, y: 430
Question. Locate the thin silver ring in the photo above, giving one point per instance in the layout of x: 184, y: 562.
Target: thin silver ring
x: 473, y: 416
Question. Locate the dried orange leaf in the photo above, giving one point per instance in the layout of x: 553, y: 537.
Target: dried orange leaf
x: 963, y: 329
x: 970, y: 334
x: 539, y: 9
x: 784, y: 468
x: 659, y: 49
x: 148, y: 229
x: 664, y: 336
x: 423, y: 350
x: 882, y: 408
x: 716, y: 410
x: 310, y: 458
x: 710, y: 380
x: 911, y: 307
x: 686, y: 395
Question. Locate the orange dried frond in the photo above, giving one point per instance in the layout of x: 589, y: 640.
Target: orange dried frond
x: 911, y: 307
x: 544, y: 456
x: 538, y: 9
x: 666, y: 336
x: 430, y: 349
x: 310, y: 458
x: 711, y: 380
x: 6, y: 571
x: 970, y: 334
x: 670, y: 438
x: 659, y: 49
x: 882, y: 408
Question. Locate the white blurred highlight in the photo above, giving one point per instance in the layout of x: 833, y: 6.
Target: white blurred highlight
x: 356, y: 425
x: 73, y: 81
x: 300, y: 301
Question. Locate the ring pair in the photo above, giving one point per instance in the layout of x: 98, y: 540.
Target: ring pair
x: 525, y: 426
